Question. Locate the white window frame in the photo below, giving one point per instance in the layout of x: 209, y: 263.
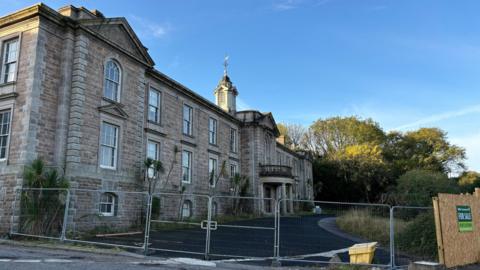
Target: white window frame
x: 212, y: 165
x: 187, y: 122
x: 157, y: 107
x: 7, y: 134
x: 189, y: 155
x: 189, y: 205
x: 107, y: 195
x: 233, y: 169
x: 214, y: 209
x: 5, y: 61
x: 233, y: 140
x: 212, y: 130
x: 107, y: 79
x: 115, y: 146
x: 157, y: 149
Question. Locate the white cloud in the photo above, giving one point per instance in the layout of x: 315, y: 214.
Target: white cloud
x: 440, y: 117
x: 283, y: 5
x: 149, y: 29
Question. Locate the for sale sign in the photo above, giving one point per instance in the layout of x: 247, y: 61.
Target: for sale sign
x: 464, y: 215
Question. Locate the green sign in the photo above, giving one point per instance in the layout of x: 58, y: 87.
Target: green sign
x: 464, y: 216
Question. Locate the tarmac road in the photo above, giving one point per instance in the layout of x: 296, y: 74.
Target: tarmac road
x: 301, y: 238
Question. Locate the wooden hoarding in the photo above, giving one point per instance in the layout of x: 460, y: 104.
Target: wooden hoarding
x: 457, y: 222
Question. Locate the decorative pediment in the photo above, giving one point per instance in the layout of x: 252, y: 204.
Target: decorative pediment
x: 114, y: 109
x: 268, y: 121
x: 118, y: 32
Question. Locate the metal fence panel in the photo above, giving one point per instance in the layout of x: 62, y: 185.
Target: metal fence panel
x: 294, y: 232
x: 241, y: 228
x: 178, y: 224
x: 112, y: 218
x: 321, y: 232
x: 39, y: 213
x: 414, y: 237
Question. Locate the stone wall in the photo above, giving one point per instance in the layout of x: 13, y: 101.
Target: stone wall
x: 18, y: 98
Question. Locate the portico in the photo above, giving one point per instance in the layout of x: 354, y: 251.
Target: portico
x: 277, y: 183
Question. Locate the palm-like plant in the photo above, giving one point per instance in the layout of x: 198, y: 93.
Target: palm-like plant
x: 42, y: 200
x: 240, y: 185
x: 215, y: 177
x: 152, y: 173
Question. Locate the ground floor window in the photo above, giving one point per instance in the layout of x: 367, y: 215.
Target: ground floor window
x: 214, y: 209
x: 187, y: 209
x: 107, y: 204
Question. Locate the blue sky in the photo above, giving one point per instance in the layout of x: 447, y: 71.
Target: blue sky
x: 404, y: 63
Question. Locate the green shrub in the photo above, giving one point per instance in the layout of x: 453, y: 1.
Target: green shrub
x: 417, y: 187
x: 418, y: 237
x: 41, y: 209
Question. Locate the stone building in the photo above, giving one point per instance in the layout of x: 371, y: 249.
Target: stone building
x: 80, y: 91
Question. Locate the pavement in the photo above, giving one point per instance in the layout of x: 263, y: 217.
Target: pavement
x: 14, y: 256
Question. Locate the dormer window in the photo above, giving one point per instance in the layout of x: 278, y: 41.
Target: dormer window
x: 112, y: 81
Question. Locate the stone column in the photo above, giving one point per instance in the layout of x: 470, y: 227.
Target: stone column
x: 284, y: 196
x: 262, y: 200
x: 290, y: 196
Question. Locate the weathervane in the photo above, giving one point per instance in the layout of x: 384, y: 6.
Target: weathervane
x: 225, y: 65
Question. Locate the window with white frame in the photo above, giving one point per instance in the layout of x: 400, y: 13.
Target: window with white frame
x: 9, y: 60
x: 187, y: 120
x: 186, y: 166
x: 153, y: 150
x: 108, y: 145
x: 214, y: 209
x: 112, y: 81
x: 212, y: 131
x: 212, y: 171
x: 154, y: 105
x: 233, y: 140
x: 186, y: 209
x: 233, y: 169
x: 107, y: 204
x: 4, y: 132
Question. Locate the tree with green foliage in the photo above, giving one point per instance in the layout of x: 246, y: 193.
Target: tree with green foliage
x: 426, y: 148
x: 350, y: 163
x: 333, y: 135
x: 468, y: 181
x: 417, y: 187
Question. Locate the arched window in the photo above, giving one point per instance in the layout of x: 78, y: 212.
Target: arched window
x: 112, y: 81
x: 107, y: 204
x: 187, y: 209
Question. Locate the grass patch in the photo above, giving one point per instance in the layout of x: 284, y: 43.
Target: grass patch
x: 364, y: 224
x: 414, y: 236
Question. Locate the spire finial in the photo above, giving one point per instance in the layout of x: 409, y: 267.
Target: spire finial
x: 225, y: 65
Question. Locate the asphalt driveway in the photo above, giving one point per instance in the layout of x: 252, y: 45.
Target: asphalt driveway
x: 301, y: 238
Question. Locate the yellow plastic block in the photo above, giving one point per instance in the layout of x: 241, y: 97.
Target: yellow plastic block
x: 362, y: 253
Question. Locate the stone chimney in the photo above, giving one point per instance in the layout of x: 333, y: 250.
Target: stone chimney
x: 80, y: 13
x: 281, y: 139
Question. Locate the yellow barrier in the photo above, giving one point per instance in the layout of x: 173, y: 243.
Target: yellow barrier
x: 362, y: 253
